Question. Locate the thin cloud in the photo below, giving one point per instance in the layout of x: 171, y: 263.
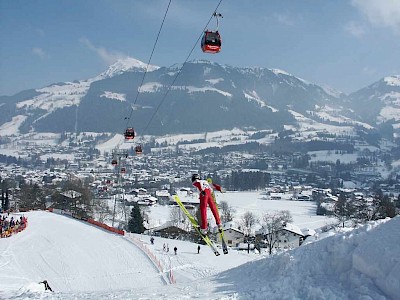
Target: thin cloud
x: 284, y: 19
x: 383, y: 13
x: 107, y: 56
x: 39, y: 52
x: 369, y: 71
x: 355, y: 29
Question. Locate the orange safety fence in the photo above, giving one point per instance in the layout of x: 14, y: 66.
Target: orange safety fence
x: 152, y: 257
x: 89, y: 220
x: 106, y: 227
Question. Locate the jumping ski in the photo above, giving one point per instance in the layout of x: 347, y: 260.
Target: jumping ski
x: 196, y: 226
x: 223, y: 242
x: 220, y: 230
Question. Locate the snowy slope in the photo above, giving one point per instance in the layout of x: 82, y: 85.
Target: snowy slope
x: 66, y: 94
x: 361, y: 264
x: 82, y: 262
x: 72, y: 256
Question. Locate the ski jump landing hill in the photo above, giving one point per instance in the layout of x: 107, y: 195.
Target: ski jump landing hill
x: 82, y: 262
x: 73, y: 256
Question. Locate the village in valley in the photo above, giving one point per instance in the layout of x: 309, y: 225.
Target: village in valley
x: 84, y: 176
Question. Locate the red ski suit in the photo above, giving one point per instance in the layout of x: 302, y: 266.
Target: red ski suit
x: 206, y: 198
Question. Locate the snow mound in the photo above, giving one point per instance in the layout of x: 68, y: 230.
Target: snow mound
x: 360, y: 264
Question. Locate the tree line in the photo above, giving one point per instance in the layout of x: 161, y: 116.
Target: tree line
x: 245, y: 181
x: 359, y: 209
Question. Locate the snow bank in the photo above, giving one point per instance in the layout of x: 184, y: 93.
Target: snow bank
x: 378, y: 257
x: 360, y: 264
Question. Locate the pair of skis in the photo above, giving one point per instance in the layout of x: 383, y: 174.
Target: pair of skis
x: 196, y: 226
x: 221, y: 231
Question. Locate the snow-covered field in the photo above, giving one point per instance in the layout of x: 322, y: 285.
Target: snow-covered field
x: 303, y: 212
x: 83, y: 262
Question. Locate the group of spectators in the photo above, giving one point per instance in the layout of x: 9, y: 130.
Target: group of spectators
x: 10, y: 225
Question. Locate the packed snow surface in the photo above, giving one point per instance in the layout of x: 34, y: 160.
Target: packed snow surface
x: 83, y: 262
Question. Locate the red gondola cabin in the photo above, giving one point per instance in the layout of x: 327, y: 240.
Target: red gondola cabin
x: 114, y: 162
x: 211, y: 42
x: 138, y: 150
x: 129, y: 133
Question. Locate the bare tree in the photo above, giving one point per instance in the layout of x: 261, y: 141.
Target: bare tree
x: 102, y: 211
x: 177, y: 217
x: 31, y: 196
x: 343, y: 209
x: 226, y: 212
x: 272, y: 223
x: 247, y: 222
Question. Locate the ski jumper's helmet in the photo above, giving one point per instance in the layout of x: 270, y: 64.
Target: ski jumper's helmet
x: 195, y: 177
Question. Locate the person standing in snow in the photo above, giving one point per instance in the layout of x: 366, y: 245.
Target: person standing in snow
x: 175, y: 249
x: 46, y: 285
x: 206, y: 198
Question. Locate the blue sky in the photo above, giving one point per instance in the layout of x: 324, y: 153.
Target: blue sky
x: 345, y: 44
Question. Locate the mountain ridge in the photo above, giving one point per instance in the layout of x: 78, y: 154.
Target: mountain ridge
x: 206, y: 96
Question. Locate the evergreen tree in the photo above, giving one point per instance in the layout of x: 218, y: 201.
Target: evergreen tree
x: 362, y: 210
x: 386, y: 208
x: 135, y: 223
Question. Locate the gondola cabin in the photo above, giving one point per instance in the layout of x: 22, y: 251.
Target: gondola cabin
x: 114, y: 162
x: 138, y: 150
x: 129, y: 133
x: 211, y: 42
x: 123, y: 170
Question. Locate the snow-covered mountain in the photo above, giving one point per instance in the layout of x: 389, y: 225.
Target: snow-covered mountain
x: 379, y: 102
x: 127, y: 64
x: 205, y: 96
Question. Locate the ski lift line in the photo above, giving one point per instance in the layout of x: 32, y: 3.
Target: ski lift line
x: 147, y: 68
x: 151, y: 56
x: 180, y: 70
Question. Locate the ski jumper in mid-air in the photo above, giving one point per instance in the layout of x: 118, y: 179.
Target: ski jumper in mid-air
x: 206, y: 198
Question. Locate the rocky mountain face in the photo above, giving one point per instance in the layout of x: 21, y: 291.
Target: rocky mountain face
x: 202, y: 96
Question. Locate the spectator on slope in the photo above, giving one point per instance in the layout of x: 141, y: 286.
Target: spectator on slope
x: 206, y: 198
x: 46, y: 285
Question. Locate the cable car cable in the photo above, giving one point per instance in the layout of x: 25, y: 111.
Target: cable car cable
x: 151, y: 55
x: 180, y: 70
x: 147, y: 68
